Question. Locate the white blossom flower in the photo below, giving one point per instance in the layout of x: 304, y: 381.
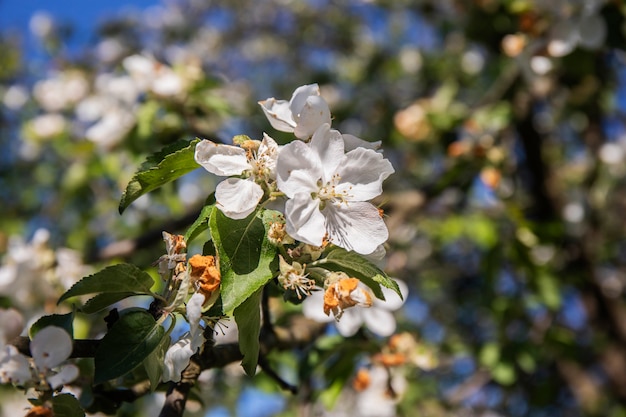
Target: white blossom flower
x: 378, y: 317
x: 178, y: 355
x: 302, y: 115
x: 238, y: 197
x: 328, y: 192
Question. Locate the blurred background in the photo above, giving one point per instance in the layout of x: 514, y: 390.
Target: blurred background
x: 504, y: 121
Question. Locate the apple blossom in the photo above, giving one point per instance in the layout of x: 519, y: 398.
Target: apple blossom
x: 292, y: 277
x: 328, y: 192
x: 378, y: 318
x: 238, y: 197
x: 302, y: 115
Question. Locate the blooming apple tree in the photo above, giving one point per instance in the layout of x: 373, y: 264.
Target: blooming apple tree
x: 290, y: 222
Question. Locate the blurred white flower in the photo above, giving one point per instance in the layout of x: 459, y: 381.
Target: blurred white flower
x: 112, y: 128
x: 41, y: 24
x: 154, y: 76
x: 124, y: 89
x: 28, y: 265
x: 46, y: 126
x: 579, y: 24
x: 50, y: 347
x: 379, y: 396
x: 110, y: 50
x: 378, y: 318
x: 14, y: 367
x: 61, y: 90
x: 302, y: 115
x: 15, y: 97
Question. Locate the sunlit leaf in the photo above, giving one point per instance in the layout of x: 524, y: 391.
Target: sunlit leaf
x: 104, y: 300
x: 165, y: 166
x: 245, y: 255
x: 121, y: 278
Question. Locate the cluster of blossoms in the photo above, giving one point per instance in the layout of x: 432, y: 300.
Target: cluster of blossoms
x: 36, y: 264
x: 322, y: 183
x: 45, y: 371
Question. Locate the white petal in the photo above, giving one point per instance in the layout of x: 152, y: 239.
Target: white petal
x: 392, y: 299
x: 564, y: 37
x: 194, y: 311
x: 313, y: 307
x: 279, y: 114
x: 237, y: 198
x: 66, y: 374
x: 268, y: 154
x: 304, y: 220
x: 356, y: 226
x: 298, y: 169
x: 350, y: 322
x: 592, y: 30
x: 14, y: 367
x: 300, y: 96
x: 314, y: 114
x: 352, y: 142
x: 177, y: 358
x: 362, y: 173
x: 328, y: 145
x: 379, y: 321
x: 50, y: 346
x: 223, y: 160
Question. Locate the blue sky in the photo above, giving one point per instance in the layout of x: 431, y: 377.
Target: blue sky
x: 83, y: 14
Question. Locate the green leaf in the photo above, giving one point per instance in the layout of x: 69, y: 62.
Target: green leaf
x: 201, y: 223
x: 64, y: 321
x: 154, y: 363
x: 103, y: 300
x: 131, y: 339
x: 165, y: 166
x: 248, y: 318
x: 246, y: 256
x: 66, y: 405
x: 338, y: 259
x: 504, y: 373
x: 490, y: 354
x: 121, y: 278
x: 548, y: 289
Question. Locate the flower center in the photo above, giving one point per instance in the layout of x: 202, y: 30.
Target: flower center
x: 330, y: 191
